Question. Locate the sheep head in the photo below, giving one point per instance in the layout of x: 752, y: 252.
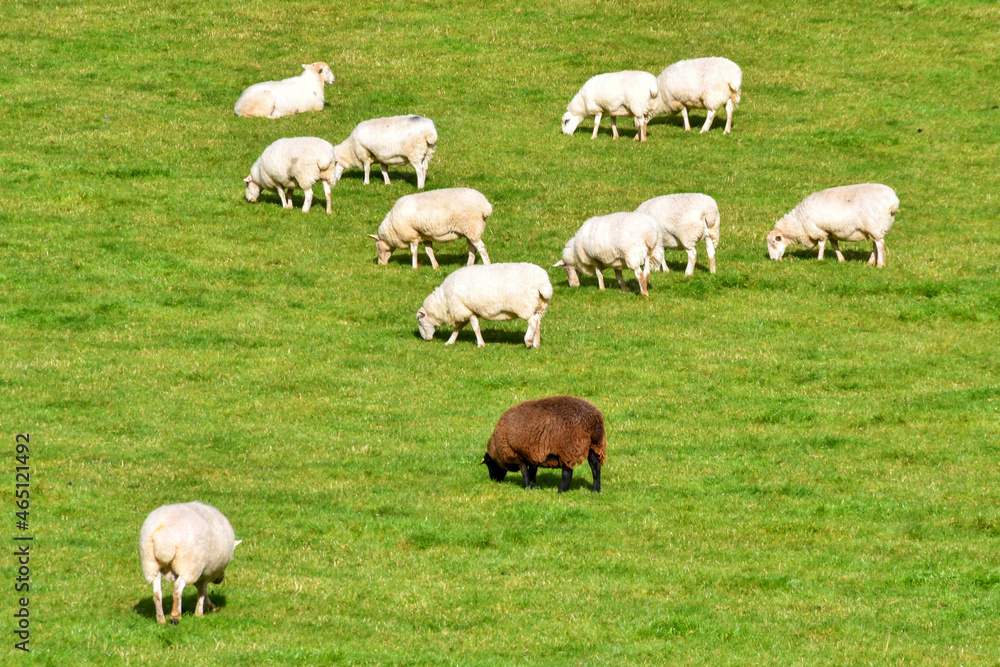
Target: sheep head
x: 425, y: 324
x: 322, y: 69
x: 571, y: 275
x: 776, y: 244
x: 570, y: 122
x: 253, y: 190
x: 383, y: 249
x: 497, y: 472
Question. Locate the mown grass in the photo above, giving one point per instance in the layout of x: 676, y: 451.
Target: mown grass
x: 803, y: 456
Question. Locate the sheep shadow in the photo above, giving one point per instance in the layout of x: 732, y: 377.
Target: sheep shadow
x: 375, y: 178
x: 611, y: 284
x: 147, y: 609
x: 403, y: 257
x: 548, y: 479
x: 850, y: 255
x: 490, y: 336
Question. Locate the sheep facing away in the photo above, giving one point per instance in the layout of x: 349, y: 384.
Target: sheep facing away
x: 684, y: 219
x: 490, y: 291
x: 700, y: 83
x: 394, y: 140
x: 845, y: 213
x: 273, y: 99
x: 617, y: 241
x: 555, y: 432
x: 295, y: 162
x: 628, y: 93
x: 431, y: 217
x: 188, y: 543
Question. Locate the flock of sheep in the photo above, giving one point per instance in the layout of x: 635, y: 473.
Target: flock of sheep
x: 194, y: 543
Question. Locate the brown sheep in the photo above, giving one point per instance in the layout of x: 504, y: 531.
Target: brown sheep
x: 554, y: 432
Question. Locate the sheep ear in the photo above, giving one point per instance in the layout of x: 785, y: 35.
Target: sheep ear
x: 372, y: 236
x: 421, y: 314
x: 305, y: 67
x: 238, y: 543
x: 483, y: 462
x: 559, y: 263
x: 248, y: 179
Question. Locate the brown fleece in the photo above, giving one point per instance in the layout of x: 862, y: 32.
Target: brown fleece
x: 548, y: 433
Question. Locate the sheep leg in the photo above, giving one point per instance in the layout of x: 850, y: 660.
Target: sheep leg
x: 158, y: 599
x: 414, y: 249
x: 199, y: 608
x: 692, y: 258
x: 600, y: 279
x: 710, y: 249
x: 454, y: 334
x: 708, y: 121
x: 880, y: 247
x: 640, y: 124
x: 836, y: 249
x: 430, y: 253
x: 421, y: 168
x: 528, y: 473
x: 308, y: 202
x: 368, y: 171
x: 874, y: 255
x: 531, y: 336
x: 327, y: 192
x: 475, y: 328
x: 621, y: 280
x: 643, y: 278
x: 595, y: 469
x: 175, y: 614
x: 281, y: 196
x: 472, y: 254
x: 597, y: 124
x: 687, y: 124
x: 614, y: 127
x: 729, y: 116
x: 822, y: 247
x: 567, y: 477
x: 481, y: 247
x: 385, y: 173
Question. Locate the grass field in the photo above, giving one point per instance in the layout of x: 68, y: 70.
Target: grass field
x: 803, y: 456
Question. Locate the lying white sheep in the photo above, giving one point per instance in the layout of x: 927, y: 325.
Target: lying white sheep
x: 685, y: 219
x: 296, y: 162
x: 435, y: 216
x: 492, y: 292
x: 845, y: 213
x: 188, y: 543
x: 700, y: 83
x: 273, y: 99
x: 628, y: 93
x: 394, y: 140
x: 616, y: 241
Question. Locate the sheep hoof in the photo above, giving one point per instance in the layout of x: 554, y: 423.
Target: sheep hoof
x: 175, y: 621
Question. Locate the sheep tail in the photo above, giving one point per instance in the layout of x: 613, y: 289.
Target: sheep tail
x: 545, y: 291
x: 600, y: 445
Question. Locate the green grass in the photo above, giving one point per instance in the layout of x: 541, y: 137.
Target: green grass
x: 803, y: 456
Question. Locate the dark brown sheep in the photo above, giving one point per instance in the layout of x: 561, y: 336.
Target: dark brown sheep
x: 555, y: 432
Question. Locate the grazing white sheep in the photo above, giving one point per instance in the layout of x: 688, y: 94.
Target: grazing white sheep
x: 616, y: 241
x: 435, y: 216
x: 700, y: 83
x: 394, y: 140
x: 296, y: 162
x: 685, y: 219
x: 845, y: 213
x: 492, y: 292
x: 628, y: 93
x: 188, y: 543
x: 273, y: 99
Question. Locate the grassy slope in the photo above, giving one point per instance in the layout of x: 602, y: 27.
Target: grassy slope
x: 803, y: 455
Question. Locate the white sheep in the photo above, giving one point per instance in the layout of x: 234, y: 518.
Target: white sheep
x: 188, y: 543
x: 616, y: 241
x: 628, y: 93
x: 436, y: 216
x: 685, y: 219
x: 492, y: 292
x: 700, y: 83
x: 845, y: 213
x: 296, y: 162
x: 394, y: 140
x: 273, y: 99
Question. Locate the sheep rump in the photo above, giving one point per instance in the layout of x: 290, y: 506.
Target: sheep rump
x: 683, y: 220
x: 495, y: 292
x: 844, y: 213
x: 555, y: 432
x: 189, y: 543
x: 273, y: 99
x: 293, y: 162
x: 700, y: 83
x: 629, y: 93
x: 438, y: 216
x: 393, y: 140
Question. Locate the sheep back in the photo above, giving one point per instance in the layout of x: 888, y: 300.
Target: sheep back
x: 491, y: 291
x: 294, y: 162
x: 699, y: 83
x: 437, y: 216
x: 548, y: 433
x: 628, y: 93
x: 191, y: 541
x: 844, y: 213
x: 618, y: 241
x: 393, y: 140
x: 683, y: 218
